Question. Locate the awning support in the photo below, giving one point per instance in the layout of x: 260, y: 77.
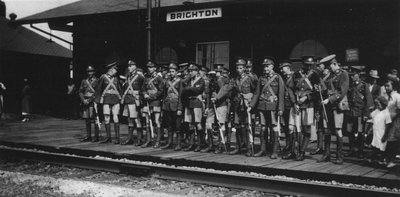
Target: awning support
x: 52, y: 35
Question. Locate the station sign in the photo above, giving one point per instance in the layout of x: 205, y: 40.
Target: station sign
x: 194, y: 14
x: 352, y: 55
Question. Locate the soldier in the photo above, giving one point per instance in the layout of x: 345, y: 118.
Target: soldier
x: 289, y: 113
x: 204, y: 74
x: 360, y: 102
x: 254, y: 79
x: 269, y: 98
x: 320, y: 114
x: 193, y: 89
x: 172, y: 107
x: 108, y: 93
x: 153, y: 93
x: 338, y: 85
x: 131, y: 100
x: 217, y: 107
x: 243, y: 94
x: 305, y: 96
x: 87, y: 94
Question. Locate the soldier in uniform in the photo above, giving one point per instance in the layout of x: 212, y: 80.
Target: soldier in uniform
x: 269, y: 97
x: 289, y: 113
x: 108, y: 93
x: 207, y: 80
x: 193, y: 89
x: 172, y: 107
x: 86, y: 94
x: 338, y: 85
x: 153, y: 93
x: 360, y: 102
x: 305, y: 96
x: 243, y: 94
x: 218, y: 99
x: 131, y: 101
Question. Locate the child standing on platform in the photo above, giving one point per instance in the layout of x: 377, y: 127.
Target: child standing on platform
x: 380, y: 120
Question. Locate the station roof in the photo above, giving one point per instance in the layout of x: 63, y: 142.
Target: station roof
x: 92, y: 7
x: 20, y: 39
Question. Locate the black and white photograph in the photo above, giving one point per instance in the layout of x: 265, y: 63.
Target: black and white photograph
x: 227, y: 98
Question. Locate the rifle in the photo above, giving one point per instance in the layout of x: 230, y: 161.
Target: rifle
x: 278, y: 125
x: 219, y: 129
x: 323, y: 106
x: 149, y: 121
x: 97, y: 120
x: 249, y: 123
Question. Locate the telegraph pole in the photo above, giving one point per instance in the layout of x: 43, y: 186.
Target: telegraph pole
x: 148, y: 29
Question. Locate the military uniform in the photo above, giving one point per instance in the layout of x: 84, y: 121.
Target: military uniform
x: 360, y: 102
x: 338, y: 85
x: 171, y: 105
x: 305, y: 95
x: 131, y: 100
x: 86, y: 94
x: 193, y: 89
x: 154, y: 87
x: 108, y: 93
x: 269, y: 98
x: 243, y: 93
x: 217, y: 106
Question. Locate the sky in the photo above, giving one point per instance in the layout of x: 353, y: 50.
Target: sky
x: 24, y: 8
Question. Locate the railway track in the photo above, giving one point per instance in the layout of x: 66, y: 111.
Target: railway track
x: 196, y: 175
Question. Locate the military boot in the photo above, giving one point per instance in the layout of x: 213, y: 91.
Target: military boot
x: 228, y: 140
x: 158, y: 139
x: 210, y: 142
x: 263, y: 141
x: 291, y: 154
x: 199, y: 140
x: 148, y: 138
x: 320, y: 142
x: 170, y: 138
x: 238, y: 143
x: 178, y: 146
x: 129, y: 139
x: 108, y: 134
x: 88, y: 132
x: 116, y: 128
x: 288, y: 142
x: 339, y: 153
x: 351, y: 152
x: 327, y: 153
x: 96, y: 133
x: 360, y: 144
x: 302, y: 152
x: 275, y: 147
x: 191, y: 145
x: 139, y: 137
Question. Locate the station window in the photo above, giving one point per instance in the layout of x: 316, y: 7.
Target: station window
x: 210, y: 53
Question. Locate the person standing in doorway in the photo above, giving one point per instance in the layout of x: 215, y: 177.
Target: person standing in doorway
x: 26, y: 104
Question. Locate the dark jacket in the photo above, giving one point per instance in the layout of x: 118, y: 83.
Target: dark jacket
x: 269, y: 95
x: 192, y: 92
x: 172, y: 95
x: 110, y: 95
x: 154, y: 87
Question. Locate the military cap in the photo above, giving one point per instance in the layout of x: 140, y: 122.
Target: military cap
x: 328, y: 59
x: 249, y: 62
x: 308, y: 60
x: 173, y: 65
x: 213, y: 72
x: 204, y: 68
x: 268, y: 60
x: 122, y: 77
x: 216, y: 65
x: 183, y: 66
x: 90, y: 69
x: 112, y: 65
x: 139, y: 70
x: 240, y: 61
x: 131, y: 62
x: 285, y: 63
x: 193, y: 66
x: 150, y: 63
x: 224, y: 70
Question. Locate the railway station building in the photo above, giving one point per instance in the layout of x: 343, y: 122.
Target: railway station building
x: 360, y: 32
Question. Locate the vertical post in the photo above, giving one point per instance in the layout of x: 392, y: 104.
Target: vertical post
x: 148, y: 29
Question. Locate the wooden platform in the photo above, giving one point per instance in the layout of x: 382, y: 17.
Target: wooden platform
x: 63, y: 134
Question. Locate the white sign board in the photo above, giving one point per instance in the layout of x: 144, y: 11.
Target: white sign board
x: 194, y: 14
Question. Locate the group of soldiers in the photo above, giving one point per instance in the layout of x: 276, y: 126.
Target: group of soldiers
x: 204, y: 109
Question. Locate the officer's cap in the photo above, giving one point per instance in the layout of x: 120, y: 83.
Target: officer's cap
x: 204, y: 68
x: 285, y: 63
x: 139, y: 70
x: 328, y: 59
x: 173, y: 65
x: 131, y: 62
x: 240, y: 62
x: 151, y: 63
x: 249, y: 62
x: 308, y: 60
x: 193, y: 66
x: 90, y: 69
x: 354, y: 70
x: 212, y: 72
x: 268, y: 60
x: 216, y: 65
x: 112, y: 65
x: 122, y: 77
